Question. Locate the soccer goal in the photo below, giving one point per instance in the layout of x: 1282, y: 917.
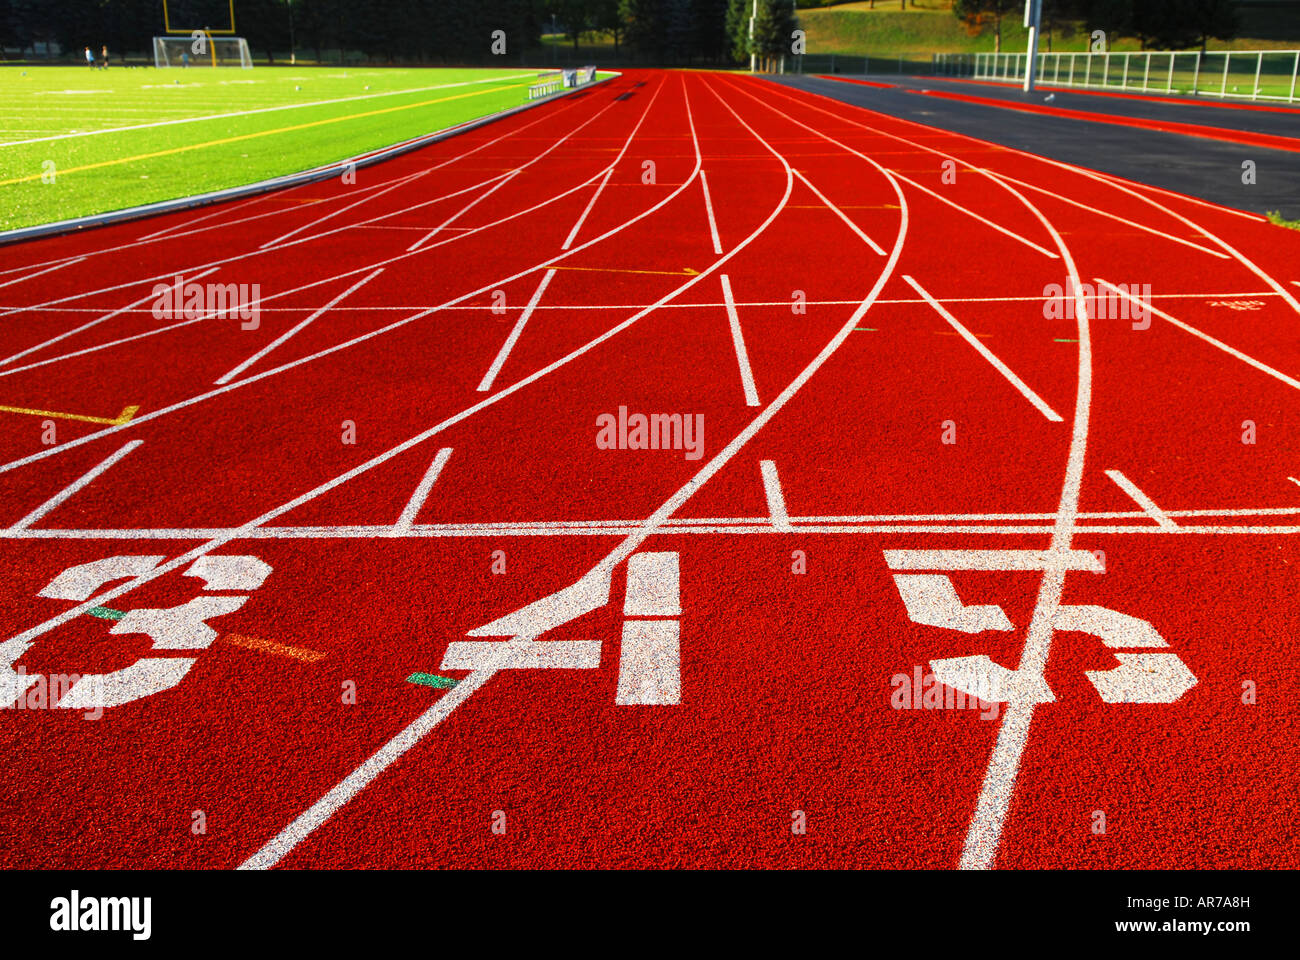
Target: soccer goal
x: 200, y: 49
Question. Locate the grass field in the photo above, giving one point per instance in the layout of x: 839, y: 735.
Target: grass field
x: 76, y: 141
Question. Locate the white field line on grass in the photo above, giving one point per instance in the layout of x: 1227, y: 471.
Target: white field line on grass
x: 338, y: 796
x: 249, y: 113
x: 1039, y: 403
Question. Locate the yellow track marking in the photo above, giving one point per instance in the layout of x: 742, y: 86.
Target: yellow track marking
x: 123, y: 417
x: 260, y: 133
x: 684, y: 272
x: 268, y: 646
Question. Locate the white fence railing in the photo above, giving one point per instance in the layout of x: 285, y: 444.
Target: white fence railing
x: 1248, y: 74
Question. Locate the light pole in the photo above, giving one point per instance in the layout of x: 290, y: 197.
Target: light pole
x: 752, y: 17
x: 1033, y: 16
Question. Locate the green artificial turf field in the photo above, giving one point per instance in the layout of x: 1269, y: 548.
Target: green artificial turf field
x: 67, y: 148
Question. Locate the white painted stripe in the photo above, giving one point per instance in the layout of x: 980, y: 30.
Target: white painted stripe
x: 1141, y: 499
x: 462, y: 211
x: 1039, y: 403
x: 984, y: 834
x: 421, y: 494
x: 491, y: 375
x: 344, y: 209
x: 297, y: 328
x: 30, y: 276
x: 77, y: 485
x: 1244, y: 358
x: 775, y: 498
x: 324, y: 808
x: 247, y: 113
x: 653, y: 586
x: 738, y: 340
x: 649, y: 665
x: 841, y: 214
x: 568, y: 241
x: 971, y: 213
x: 1046, y: 560
x: 708, y: 208
x: 86, y: 326
x: 1113, y: 216
x: 760, y: 526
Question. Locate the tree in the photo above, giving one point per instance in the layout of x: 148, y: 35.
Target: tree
x: 979, y: 14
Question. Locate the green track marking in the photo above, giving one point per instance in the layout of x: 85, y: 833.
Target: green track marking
x: 432, y: 680
x: 1060, y: 340
x: 867, y: 329
x: 106, y: 613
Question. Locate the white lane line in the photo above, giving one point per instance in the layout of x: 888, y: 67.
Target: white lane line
x: 971, y: 213
x: 462, y: 211
x: 738, y: 341
x: 708, y: 208
x: 1113, y: 216
x: 396, y: 324
x: 338, y: 796
x: 248, y: 113
x: 1141, y: 499
x: 1244, y: 358
x: 591, y: 590
x: 1294, y: 480
x: 151, y: 295
x: 775, y: 498
x: 568, y: 241
x: 334, y: 213
x: 77, y: 485
x: 984, y: 835
x: 301, y: 240
x: 987, y: 354
x: 30, y: 276
x: 841, y: 214
x: 486, y: 383
x: 421, y: 494
x: 297, y: 328
x: 757, y: 526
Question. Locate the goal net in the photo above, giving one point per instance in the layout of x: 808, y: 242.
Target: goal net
x: 201, y: 50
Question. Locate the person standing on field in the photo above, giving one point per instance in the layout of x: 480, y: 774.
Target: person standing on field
x: 90, y: 58
x: 103, y: 56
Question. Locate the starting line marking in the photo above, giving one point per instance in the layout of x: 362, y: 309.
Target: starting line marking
x: 122, y: 418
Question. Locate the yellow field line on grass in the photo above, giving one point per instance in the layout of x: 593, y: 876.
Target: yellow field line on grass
x: 260, y: 133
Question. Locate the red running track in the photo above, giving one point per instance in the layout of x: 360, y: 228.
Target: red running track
x: 1097, y: 553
